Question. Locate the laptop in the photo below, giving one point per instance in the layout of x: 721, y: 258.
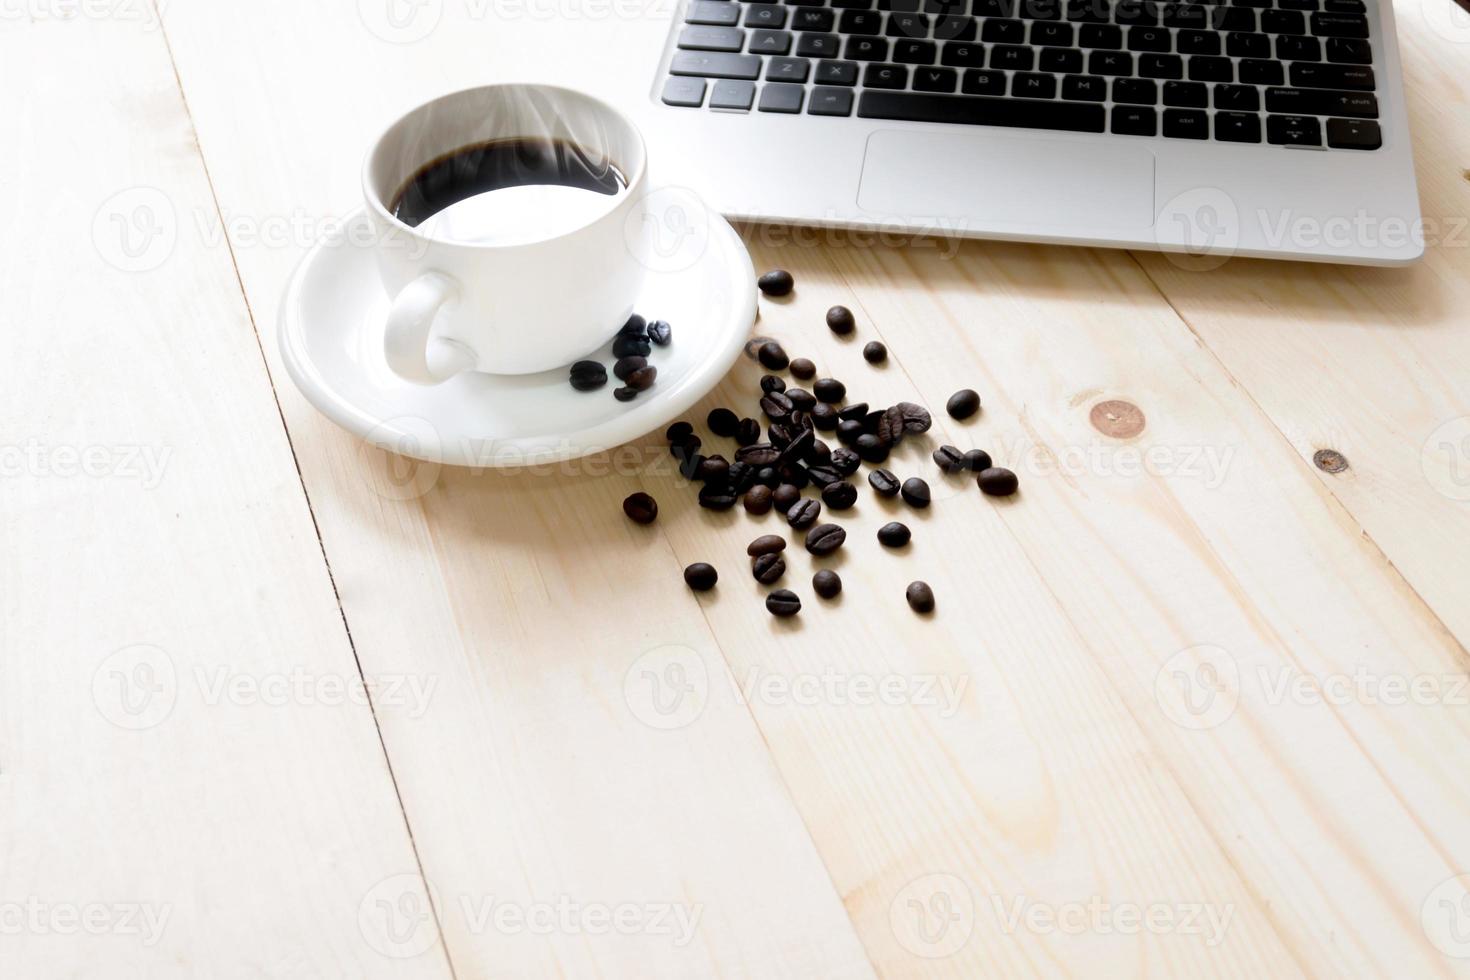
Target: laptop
x: 1267, y: 128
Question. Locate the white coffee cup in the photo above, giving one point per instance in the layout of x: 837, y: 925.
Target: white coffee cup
x: 530, y: 303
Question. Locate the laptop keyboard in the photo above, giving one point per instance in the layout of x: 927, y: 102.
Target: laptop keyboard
x: 1284, y: 72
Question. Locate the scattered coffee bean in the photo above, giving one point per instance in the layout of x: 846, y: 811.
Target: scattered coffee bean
x: 874, y: 352
x: 797, y: 448
x: 916, y: 418
x: 839, y: 496
x: 976, y: 460
x: 588, y: 375
x: 963, y: 403
x: 768, y: 569
x: 829, y: 390
x: 759, y: 454
x: 635, y: 327
x: 820, y: 454
x: 767, y: 476
x: 894, y: 535
x: 785, y: 496
x: 824, y: 416
x: 997, y: 481
x: 776, y: 405
x: 685, y: 447
x: 949, y: 459
x: 803, y: 369
x: 803, y: 513
x: 777, y: 282
x: 783, y: 603
x: 770, y: 382
x: 801, y: 399
x: 920, y: 597
x: 625, y: 394
x: 871, y: 420
x: 826, y: 583
x: 823, y: 474
x: 853, y: 413
x: 643, y: 378
x: 722, y: 422
x: 627, y: 365
x: 714, y: 469
x: 871, y: 448
x: 640, y: 507
x: 772, y: 356
x: 742, y: 476
x: 848, y: 430
x: 748, y: 432
x: 766, y: 544
x: 625, y: 345
x: 884, y: 483
x: 678, y: 432
x: 825, y: 539
x: 701, y: 577
x: 890, y: 429
x: 845, y: 461
x: 840, y: 320
x: 689, y: 465
x: 714, y: 496
x: 915, y: 492
x: 660, y: 332
x: 797, y: 476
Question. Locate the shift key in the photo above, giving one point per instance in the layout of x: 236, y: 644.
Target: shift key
x: 709, y: 64
x: 1321, y: 102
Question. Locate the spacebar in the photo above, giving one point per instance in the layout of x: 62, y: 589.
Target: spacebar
x: 976, y: 111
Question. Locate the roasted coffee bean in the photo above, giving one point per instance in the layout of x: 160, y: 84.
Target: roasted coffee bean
x: 689, y: 465
x: 871, y: 448
x: 853, y: 413
x: 626, y: 394
x: 767, y: 476
x: 781, y: 434
x: 803, y: 513
x: 714, y: 496
x: 823, y: 475
x: 627, y: 365
x: 660, y: 332
x: 701, y: 577
x: 825, y: 539
x: 915, y: 492
x: 640, y: 507
x: 824, y: 417
x: 635, y: 327
x: 884, y: 483
x: 874, y: 352
x: 894, y: 535
x: 871, y: 420
x: 820, y: 454
x: 784, y: 496
x: 768, y: 569
x: 759, y: 454
x: 678, y: 432
x: 777, y: 282
x: 748, y: 432
x: 766, y: 544
x: 963, y: 403
x: 826, y: 583
x: 997, y: 481
x: 797, y: 448
x: 769, y: 383
x: 890, y: 427
x: 715, y: 469
x: 776, y: 406
x: 625, y: 345
x: 801, y: 399
x: 803, y: 369
x: 845, y: 461
x: 848, y: 430
x: 949, y: 459
x: 976, y: 460
x: 685, y: 447
x: 916, y: 418
x: 920, y: 597
x: 643, y: 378
x: 783, y: 603
x: 722, y: 422
x: 829, y: 390
x: 588, y: 375
x: 742, y: 476
x: 840, y: 320
x: 772, y: 356
x: 839, y: 496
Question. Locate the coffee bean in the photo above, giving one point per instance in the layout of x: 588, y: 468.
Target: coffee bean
x: 874, y: 352
x: 784, y: 496
x: 759, y: 454
x: 640, y: 507
x: 777, y: 282
x: 920, y: 597
x: 689, y: 465
x: 722, y: 422
x: 772, y: 356
x: 783, y: 603
x: 825, y: 539
x: 829, y: 390
x: 890, y: 427
x: 963, y: 403
x: 884, y: 483
x: 742, y: 476
x: 826, y: 583
x: 713, y: 496
x: 915, y: 492
x: 871, y: 420
x: 685, y: 447
x: 820, y: 454
x: 776, y: 405
x: 757, y: 500
x: 766, y: 544
x: 870, y: 448
x: 715, y: 469
x: 588, y: 375
x: 625, y: 394
x: 916, y: 418
x: 625, y: 345
x: 848, y: 430
x: 976, y: 460
x: 824, y: 417
x: 823, y: 474
x: 635, y: 327
x: 796, y: 476
x: 840, y: 321
x: 748, y: 432
x: 845, y: 461
x: 949, y: 459
x: 803, y: 369
x: 894, y: 535
x: 701, y: 577
x: 768, y: 569
x: 803, y: 513
x: 855, y: 412
x: 627, y: 365
x: 660, y: 332
x: 767, y: 476
x: 678, y: 432
x: 997, y: 481
x: 643, y: 378
x: 769, y: 383
x: 797, y: 448
x: 839, y: 496
x: 802, y: 399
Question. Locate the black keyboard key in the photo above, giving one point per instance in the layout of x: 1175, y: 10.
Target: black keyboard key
x: 1149, y: 39
x: 717, y: 12
x: 1134, y: 121
x: 762, y: 15
x: 1140, y: 13
x: 806, y: 3
x: 837, y: 73
x: 1293, y: 131
x: 866, y: 22
x: 853, y: 4
x: 914, y: 52
x: 1340, y: 25
x: 829, y: 102
x: 1060, y: 61
x: 1248, y: 45
x: 945, y: 8
x: 1237, y: 127
x: 1198, y: 42
x: 684, y: 92
x: 711, y: 64
x: 793, y: 70
x: 935, y: 79
x: 886, y: 76
x: 699, y: 38
x: 779, y: 97
x: 955, y: 29
x: 816, y: 45
x: 1195, y: 16
x: 1237, y: 98
x: 1084, y: 88
x: 978, y: 82
x: 994, y: 8
x: 1237, y: 19
x: 908, y: 25
x: 769, y: 42
x: 1039, y: 10
x: 732, y: 95
x: 1353, y: 134
x: 1103, y: 36
x: 1089, y: 11
x: 1110, y: 63
x: 1283, y: 22
x: 1354, y: 78
x: 1345, y: 7
x: 1307, y: 5
x: 963, y: 55
x: 1030, y: 85
x: 1004, y: 31
x: 867, y: 49
x: 1135, y: 91
x: 816, y: 19
x: 1187, y: 124
x: 1347, y: 51
x: 1320, y: 102
x: 1202, y: 69
x: 1186, y: 95
x: 1160, y: 66
x: 1289, y: 48
x: 1048, y: 34
x: 1024, y: 113
x: 1262, y: 73
x: 1010, y: 56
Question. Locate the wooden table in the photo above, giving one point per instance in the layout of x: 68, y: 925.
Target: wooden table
x: 1193, y: 703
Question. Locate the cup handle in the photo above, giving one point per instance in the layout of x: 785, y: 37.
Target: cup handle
x: 406, y: 340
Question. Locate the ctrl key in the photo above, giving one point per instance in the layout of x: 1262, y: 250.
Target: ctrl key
x: 829, y: 101
x: 684, y: 92
x: 781, y: 97
x: 1354, y: 134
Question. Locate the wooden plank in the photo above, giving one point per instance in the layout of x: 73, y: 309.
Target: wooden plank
x: 189, y: 781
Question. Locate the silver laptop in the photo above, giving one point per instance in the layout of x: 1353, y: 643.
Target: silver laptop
x: 1271, y: 128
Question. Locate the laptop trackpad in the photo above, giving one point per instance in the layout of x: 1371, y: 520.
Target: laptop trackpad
x: 1076, y: 187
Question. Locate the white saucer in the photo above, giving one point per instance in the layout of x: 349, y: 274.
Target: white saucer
x: 331, y: 337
